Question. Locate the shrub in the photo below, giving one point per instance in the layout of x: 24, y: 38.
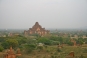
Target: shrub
x: 70, y: 43
x: 5, y: 45
x: 45, y: 41
x: 52, y: 56
x: 82, y: 56
x: 29, y: 48
x: 85, y: 50
x: 59, y: 50
x: 10, y: 42
x: 55, y: 42
x: 45, y: 46
x: 40, y: 47
x: 1, y: 48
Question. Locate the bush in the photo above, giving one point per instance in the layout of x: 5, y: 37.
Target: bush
x: 55, y: 43
x: 82, y: 56
x: 85, y: 50
x: 40, y: 47
x: 5, y: 45
x: 10, y: 42
x: 59, y: 50
x: 70, y: 43
x: 52, y: 56
x: 45, y: 41
x: 79, y: 42
x: 29, y: 48
x: 2, y: 39
x: 45, y: 46
x: 1, y: 48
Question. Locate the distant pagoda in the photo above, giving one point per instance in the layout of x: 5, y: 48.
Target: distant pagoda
x: 36, y: 29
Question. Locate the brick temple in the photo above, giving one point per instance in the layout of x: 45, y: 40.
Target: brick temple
x: 36, y: 29
x: 11, y: 54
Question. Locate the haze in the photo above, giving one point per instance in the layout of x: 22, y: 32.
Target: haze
x: 20, y: 14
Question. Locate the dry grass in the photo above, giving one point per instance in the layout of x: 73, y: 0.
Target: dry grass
x: 51, y: 51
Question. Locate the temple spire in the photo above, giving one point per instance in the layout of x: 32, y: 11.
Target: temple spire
x: 36, y: 23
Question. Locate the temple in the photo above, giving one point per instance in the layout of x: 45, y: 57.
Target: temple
x: 10, y: 53
x: 36, y: 29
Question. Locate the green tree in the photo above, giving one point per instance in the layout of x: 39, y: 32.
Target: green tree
x: 21, y: 41
x: 2, y: 39
x: 70, y: 43
x: 54, y: 38
x: 31, y: 41
x: 1, y: 48
x: 5, y: 45
x: 80, y: 41
x: 45, y: 41
x: 12, y: 42
x: 55, y: 42
x: 29, y: 48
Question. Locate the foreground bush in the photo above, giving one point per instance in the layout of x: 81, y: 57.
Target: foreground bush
x: 39, y: 48
x: 1, y: 48
x: 29, y: 48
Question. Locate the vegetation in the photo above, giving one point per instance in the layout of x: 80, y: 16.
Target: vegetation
x: 1, y: 48
x: 53, y: 46
x: 29, y: 48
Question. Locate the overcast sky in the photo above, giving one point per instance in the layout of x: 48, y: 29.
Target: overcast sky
x: 21, y: 14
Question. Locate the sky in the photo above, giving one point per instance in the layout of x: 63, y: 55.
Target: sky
x: 21, y: 14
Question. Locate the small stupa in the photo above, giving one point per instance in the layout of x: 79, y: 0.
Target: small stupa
x: 10, y: 53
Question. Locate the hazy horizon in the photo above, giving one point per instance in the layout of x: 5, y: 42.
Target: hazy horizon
x: 58, y: 14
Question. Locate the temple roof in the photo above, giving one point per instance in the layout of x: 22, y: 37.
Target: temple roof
x: 36, y: 26
x: 36, y: 23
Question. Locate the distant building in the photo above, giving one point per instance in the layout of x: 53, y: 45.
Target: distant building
x: 75, y: 36
x: 10, y: 34
x: 13, y: 34
x: 84, y: 36
x: 36, y: 29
